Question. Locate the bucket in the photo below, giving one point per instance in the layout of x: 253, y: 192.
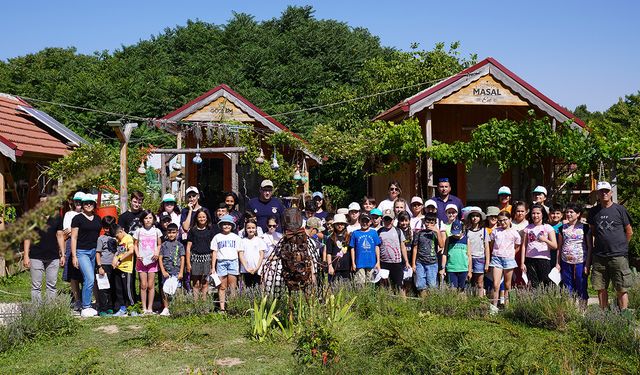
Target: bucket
x: 110, y: 210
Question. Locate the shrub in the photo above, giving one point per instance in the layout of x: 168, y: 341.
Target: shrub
x: 550, y: 308
x: 634, y: 294
x: 449, y: 302
x: 317, y: 345
x: 612, y: 328
x: 185, y: 305
x: 38, y: 320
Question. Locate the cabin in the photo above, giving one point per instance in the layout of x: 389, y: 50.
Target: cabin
x: 449, y: 111
x: 30, y: 139
x: 212, y: 119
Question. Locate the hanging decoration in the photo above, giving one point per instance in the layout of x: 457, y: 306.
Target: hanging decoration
x: 274, y: 162
x: 296, y: 175
x: 197, y: 159
x: 260, y: 158
x: 142, y: 169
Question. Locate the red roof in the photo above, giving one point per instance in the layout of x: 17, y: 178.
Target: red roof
x: 241, y: 98
x: 405, y: 105
x: 25, y: 134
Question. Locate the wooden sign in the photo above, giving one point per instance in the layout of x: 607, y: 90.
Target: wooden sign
x: 219, y: 110
x: 486, y: 91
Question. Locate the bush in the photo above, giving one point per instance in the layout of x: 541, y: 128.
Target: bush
x: 550, y: 308
x: 449, y: 302
x: 38, y: 321
x: 634, y: 294
x: 185, y: 305
x: 612, y: 328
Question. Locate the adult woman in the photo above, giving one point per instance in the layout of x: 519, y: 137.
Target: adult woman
x: 169, y: 206
x: 231, y: 201
x: 393, y: 193
x: 71, y: 274
x: 85, y: 230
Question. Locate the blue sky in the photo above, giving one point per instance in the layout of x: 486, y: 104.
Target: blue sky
x: 575, y: 52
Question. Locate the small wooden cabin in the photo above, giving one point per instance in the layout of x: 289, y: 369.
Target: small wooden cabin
x: 449, y: 111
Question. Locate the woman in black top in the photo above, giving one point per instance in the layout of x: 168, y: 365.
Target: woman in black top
x: 231, y: 201
x: 338, y: 258
x: 85, y: 230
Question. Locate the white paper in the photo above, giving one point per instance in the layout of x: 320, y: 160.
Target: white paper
x: 170, y: 285
x: 554, y: 276
x: 384, y: 274
x: 525, y: 278
x: 102, y: 281
x: 407, y: 274
x: 375, y: 276
x: 147, y: 261
x: 215, y: 278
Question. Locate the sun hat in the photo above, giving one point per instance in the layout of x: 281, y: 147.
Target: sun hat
x: 169, y: 198
x: 493, y: 211
x: 317, y: 194
x: 451, y: 206
x: 504, y: 190
x: 389, y: 213
x: 339, y: 219
x: 342, y: 211
x: 416, y: 200
x: 375, y: 211
x: 226, y: 219
x: 433, y: 203
x: 266, y: 183
x: 315, y: 223
x: 192, y: 189
x: 354, y: 206
x: 603, y: 185
x: 540, y: 189
x: 476, y: 210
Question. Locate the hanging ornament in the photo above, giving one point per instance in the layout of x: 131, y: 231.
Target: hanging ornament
x: 177, y: 166
x: 141, y: 168
x: 260, y: 158
x: 296, y: 175
x: 274, y: 161
x: 197, y: 159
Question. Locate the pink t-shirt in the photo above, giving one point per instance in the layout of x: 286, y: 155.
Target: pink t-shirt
x: 504, y: 241
x: 535, y: 247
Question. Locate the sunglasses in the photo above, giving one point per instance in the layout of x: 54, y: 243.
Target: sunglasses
x: 89, y: 203
x: 394, y: 189
x: 272, y: 226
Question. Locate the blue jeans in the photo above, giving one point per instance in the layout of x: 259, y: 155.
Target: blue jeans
x: 572, y: 276
x: 87, y: 261
x: 426, y: 275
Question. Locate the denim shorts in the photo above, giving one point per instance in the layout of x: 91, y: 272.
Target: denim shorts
x: 226, y: 267
x: 503, y: 263
x: 426, y: 275
x: 477, y: 264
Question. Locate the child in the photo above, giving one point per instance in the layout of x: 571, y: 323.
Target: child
x: 504, y: 241
x: 400, y: 205
x: 354, y: 217
x: 393, y: 253
x: 198, y: 254
x: 574, y: 244
x: 368, y: 204
x: 417, y: 216
x: 225, y: 247
x: 539, y: 239
x: 251, y: 254
x: 364, y: 246
x: 105, y: 251
x: 491, y: 222
x: 221, y: 211
x: 272, y: 237
x: 338, y: 256
x: 122, y: 270
x: 147, y: 241
x: 404, y: 224
x: 478, y: 241
x: 457, y: 257
x: 555, y: 220
x: 519, y: 213
x: 424, y: 260
x: 171, y: 262
x: 376, y: 218
x: 250, y: 215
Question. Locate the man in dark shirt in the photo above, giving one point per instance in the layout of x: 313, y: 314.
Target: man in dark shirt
x: 130, y: 220
x: 266, y: 206
x: 444, y: 197
x: 610, y: 226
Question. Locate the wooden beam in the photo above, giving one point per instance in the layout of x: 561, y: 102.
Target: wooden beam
x: 208, y: 150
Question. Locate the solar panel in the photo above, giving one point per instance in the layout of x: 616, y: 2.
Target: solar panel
x: 54, y: 125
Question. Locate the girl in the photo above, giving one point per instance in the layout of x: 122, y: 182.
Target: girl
x: 338, y: 256
x: 146, y: 243
x: 491, y: 222
x: 417, y: 206
x: 520, y: 213
x: 198, y: 255
x: 251, y: 254
x: 249, y: 215
x: 318, y: 204
x: 85, y: 230
x: 231, y: 201
x: 504, y: 241
x: 394, y: 192
x: 368, y: 204
x: 169, y: 206
x: 404, y: 224
x: 400, y: 205
x: 574, y: 244
x: 478, y: 241
x: 225, y: 246
x: 539, y: 239
x: 271, y: 237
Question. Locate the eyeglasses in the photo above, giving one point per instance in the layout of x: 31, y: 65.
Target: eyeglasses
x: 272, y: 226
x: 393, y: 188
x: 502, y: 220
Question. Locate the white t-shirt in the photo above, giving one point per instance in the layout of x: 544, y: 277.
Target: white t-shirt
x: 386, y: 204
x: 148, y: 240
x: 259, y: 233
x: 226, y: 246
x: 251, y: 249
x: 271, y: 240
x: 353, y: 227
x: 68, y: 216
x: 417, y: 224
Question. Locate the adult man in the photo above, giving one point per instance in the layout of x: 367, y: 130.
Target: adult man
x: 266, y: 206
x: 130, y: 220
x: 539, y: 195
x: 610, y: 225
x: 445, y: 198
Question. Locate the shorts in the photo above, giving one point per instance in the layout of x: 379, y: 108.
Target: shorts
x: 477, y: 265
x: 151, y: 267
x: 503, y: 263
x: 362, y: 275
x: 396, y: 272
x: 226, y: 267
x: 200, y: 264
x: 69, y: 272
x: 616, y: 269
x: 426, y: 275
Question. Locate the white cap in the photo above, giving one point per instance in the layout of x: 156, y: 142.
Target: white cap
x: 192, y: 189
x: 603, y: 185
x: 89, y: 198
x: 317, y: 194
x: 266, y: 183
x: 342, y: 211
x: 540, y: 189
x: 354, y: 206
x: 504, y: 190
x: 78, y: 196
x: 417, y: 199
x: 451, y: 206
x: 433, y: 203
x: 389, y: 213
x: 168, y: 198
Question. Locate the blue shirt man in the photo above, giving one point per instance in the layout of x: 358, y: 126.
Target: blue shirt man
x: 444, y: 198
x: 266, y: 206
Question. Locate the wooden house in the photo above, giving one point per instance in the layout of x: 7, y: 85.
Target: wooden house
x: 449, y: 111
x: 30, y: 139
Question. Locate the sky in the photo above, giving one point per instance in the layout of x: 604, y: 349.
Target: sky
x: 575, y: 52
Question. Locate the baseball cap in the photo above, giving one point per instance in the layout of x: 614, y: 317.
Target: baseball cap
x: 192, y: 189
x: 78, y: 196
x: 456, y: 228
x: 168, y: 198
x: 388, y: 213
x: 364, y: 216
x: 266, y: 183
x: 315, y: 223
x: 493, y: 211
x: 416, y: 200
x: 540, y: 189
x: 504, y: 190
x: 375, y: 211
x: 603, y: 185
x: 354, y: 206
x: 89, y: 198
x: 339, y: 219
x: 451, y: 206
x: 317, y: 194
x: 433, y: 203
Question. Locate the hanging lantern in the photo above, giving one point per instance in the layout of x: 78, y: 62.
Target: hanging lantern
x: 141, y: 168
x: 296, y: 175
x: 274, y: 162
x: 197, y: 159
x: 260, y: 159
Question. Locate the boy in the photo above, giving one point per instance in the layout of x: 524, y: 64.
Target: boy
x: 425, y: 248
x: 457, y: 257
x: 122, y: 270
x: 555, y: 220
x: 171, y: 262
x: 364, y: 246
x: 105, y: 251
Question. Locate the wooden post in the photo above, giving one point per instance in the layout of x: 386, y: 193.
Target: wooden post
x: 123, y: 135
x: 614, y: 182
x: 182, y: 159
x: 429, y: 140
x: 164, y: 178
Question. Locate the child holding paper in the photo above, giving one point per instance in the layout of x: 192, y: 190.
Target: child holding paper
x: 147, y: 241
x: 171, y: 262
x: 539, y: 240
x: 105, y: 252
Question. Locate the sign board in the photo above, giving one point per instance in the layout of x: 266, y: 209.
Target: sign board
x: 487, y: 91
x: 219, y: 110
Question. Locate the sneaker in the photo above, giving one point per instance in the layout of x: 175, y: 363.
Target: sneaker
x: 493, y: 310
x: 148, y: 312
x: 110, y: 312
x: 121, y: 312
x: 88, y: 312
x: 165, y: 312
x: 105, y: 314
x: 134, y: 313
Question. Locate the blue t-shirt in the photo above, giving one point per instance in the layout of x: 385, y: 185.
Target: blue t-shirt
x: 442, y: 205
x: 365, y: 244
x: 265, y: 210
